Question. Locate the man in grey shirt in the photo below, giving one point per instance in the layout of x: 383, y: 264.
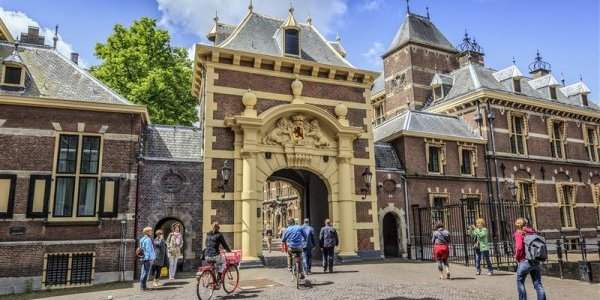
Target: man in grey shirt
x: 328, y: 240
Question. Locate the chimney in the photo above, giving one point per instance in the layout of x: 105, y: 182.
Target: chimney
x: 470, y: 52
x: 538, y: 67
x: 75, y: 57
x: 32, y: 36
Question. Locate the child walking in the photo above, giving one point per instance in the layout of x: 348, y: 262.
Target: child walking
x: 440, y: 241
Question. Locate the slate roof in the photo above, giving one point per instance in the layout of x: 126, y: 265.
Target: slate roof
x: 261, y: 34
x: 386, y: 157
x: 419, y: 30
x: 221, y: 31
x: 173, y: 143
x: 52, y: 75
x: 473, y: 77
x: 378, y: 84
x: 423, y: 122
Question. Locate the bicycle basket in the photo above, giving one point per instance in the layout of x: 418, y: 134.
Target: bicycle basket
x: 234, y: 257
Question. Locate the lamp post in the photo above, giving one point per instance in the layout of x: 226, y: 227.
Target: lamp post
x: 366, y: 176
x: 225, y: 176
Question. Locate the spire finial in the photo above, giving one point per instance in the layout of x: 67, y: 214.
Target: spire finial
x: 55, y: 38
x: 250, y: 6
x: 216, y: 18
x: 309, y: 20
x: 291, y: 10
x: 407, y: 6
x: 580, y: 77
x: 514, y: 61
x: 337, y: 37
x: 562, y: 78
x: 427, y: 9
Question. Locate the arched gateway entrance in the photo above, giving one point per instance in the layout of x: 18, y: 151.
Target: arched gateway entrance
x: 299, y: 142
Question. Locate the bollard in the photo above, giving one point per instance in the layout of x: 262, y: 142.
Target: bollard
x: 560, y: 262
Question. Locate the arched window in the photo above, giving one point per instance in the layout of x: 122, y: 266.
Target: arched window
x: 292, y: 42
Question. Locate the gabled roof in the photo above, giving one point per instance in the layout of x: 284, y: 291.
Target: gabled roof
x: 444, y: 126
x: 52, y: 75
x: 419, y: 30
x: 261, y: 34
x: 544, y: 81
x: 441, y: 79
x: 575, y: 88
x: 508, y: 73
x: 386, y: 157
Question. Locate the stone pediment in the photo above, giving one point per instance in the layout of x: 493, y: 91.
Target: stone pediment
x: 299, y: 130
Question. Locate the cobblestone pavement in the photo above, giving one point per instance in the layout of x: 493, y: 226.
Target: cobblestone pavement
x: 389, y: 281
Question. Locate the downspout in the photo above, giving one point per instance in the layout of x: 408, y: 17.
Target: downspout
x: 139, y: 160
x: 406, y: 206
x: 492, y: 136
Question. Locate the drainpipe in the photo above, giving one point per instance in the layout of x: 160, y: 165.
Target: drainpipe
x: 406, y: 206
x: 492, y: 136
x: 139, y: 160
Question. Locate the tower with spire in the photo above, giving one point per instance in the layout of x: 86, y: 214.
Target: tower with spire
x: 411, y: 60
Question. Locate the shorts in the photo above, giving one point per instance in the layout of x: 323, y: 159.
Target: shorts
x: 440, y: 251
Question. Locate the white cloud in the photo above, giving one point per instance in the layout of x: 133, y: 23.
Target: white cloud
x: 17, y: 22
x: 196, y: 17
x: 371, y: 4
x: 373, y: 55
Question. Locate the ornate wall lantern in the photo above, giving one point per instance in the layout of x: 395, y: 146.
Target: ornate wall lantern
x: 366, y: 176
x: 225, y: 176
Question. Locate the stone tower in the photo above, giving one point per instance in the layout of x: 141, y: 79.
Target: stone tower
x: 418, y: 51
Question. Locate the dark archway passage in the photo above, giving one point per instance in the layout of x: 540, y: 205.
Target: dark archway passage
x: 165, y: 225
x: 390, y: 236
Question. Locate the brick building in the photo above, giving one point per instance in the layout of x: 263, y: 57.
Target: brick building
x: 68, y: 168
x: 280, y: 101
x: 465, y: 132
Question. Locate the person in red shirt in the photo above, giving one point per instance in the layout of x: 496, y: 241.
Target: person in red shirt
x: 525, y: 266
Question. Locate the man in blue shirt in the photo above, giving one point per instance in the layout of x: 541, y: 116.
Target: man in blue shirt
x: 149, y: 256
x: 295, y: 238
x: 309, y: 231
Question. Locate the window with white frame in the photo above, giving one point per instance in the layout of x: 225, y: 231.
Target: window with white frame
x: 517, y: 136
x: 379, y: 113
x: 77, y: 176
x: 566, y: 196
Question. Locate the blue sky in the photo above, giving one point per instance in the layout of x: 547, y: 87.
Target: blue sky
x: 566, y: 32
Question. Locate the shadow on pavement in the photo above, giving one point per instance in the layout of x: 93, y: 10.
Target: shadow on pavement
x: 334, y: 272
x: 462, y: 278
x: 405, y: 298
x: 170, y: 283
x: 309, y: 284
x: 163, y: 288
x: 242, y: 295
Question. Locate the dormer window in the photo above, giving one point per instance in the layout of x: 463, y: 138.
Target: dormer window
x: 13, y: 71
x: 553, y: 93
x: 12, y: 75
x: 517, y: 85
x: 437, y: 92
x: 584, y: 100
x: 292, y: 42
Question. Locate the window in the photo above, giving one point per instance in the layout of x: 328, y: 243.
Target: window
x: 552, y: 93
x: 517, y: 85
x: 438, y: 210
x: 435, y: 159
x: 466, y: 164
x: 292, y: 42
x: 437, y: 92
x: 556, y: 142
x: 68, y: 268
x: 7, y: 195
x: 596, y: 199
x: 526, y: 200
x: 584, y: 100
x: 379, y: 114
x: 471, y: 206
x: 517, y: 137
x: 77, y: 169
x: 591, y: 144
x: 12, y: 75
x: 566, y: 195
x: 39, y: 193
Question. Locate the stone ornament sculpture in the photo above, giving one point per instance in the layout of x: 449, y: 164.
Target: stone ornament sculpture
x: 297, y: 130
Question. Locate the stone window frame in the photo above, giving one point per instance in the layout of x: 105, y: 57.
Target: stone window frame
x: 69, y: 269
x: 432, y: 197
x: 534, y: 203
x: 441, y: 158
x: 570, y: 206
x: 595, y: 187
x: 510, y: 116
x: 23, y: 75
x: 478, y: 211
x: 77, y: 175
x: 8, y: 188
x: 591, y: 147
x: 473, y: 149
x: 379, y: 112
x: 285, y: 31
x: 563, y: 139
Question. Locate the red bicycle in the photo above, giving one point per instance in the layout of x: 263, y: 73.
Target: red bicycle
x: 209, y: 280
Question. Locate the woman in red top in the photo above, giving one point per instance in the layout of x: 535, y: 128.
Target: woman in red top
x: 525, y: 266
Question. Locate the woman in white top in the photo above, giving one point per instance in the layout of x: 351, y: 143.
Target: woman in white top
x: 174, y: 246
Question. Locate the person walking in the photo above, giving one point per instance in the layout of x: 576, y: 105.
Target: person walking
x: 174, y: 248
x: 328, y: 240
x: 526, y: 266
x: 309, y: 231
x: 295, y: 239
x: 440, y: 240
x: 480, y: 234
x: 269, y: 236
x: 160, y: 250
x: 146, y: 254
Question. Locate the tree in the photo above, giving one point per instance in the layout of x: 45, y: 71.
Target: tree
x: 139, y: 63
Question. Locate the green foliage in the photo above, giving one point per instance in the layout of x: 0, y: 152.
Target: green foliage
x: 139, y: 63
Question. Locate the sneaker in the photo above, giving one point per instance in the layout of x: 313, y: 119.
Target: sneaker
x: 448, y: 275
x: 490, y: 273
x: 478, y: 273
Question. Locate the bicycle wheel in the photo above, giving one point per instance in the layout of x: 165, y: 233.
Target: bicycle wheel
x: 205, y: 287
x: 231, y: 279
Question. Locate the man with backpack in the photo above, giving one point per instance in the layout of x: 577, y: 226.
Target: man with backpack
x: 530, y: 251
x: 146, y: 254
x: 328, y: 240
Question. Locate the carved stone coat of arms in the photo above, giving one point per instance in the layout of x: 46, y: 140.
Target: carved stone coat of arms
x: 298, y: 130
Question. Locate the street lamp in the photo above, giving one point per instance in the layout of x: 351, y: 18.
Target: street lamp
x: 512, y: 187
x: 366, y: 176
x: 225, y: 175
